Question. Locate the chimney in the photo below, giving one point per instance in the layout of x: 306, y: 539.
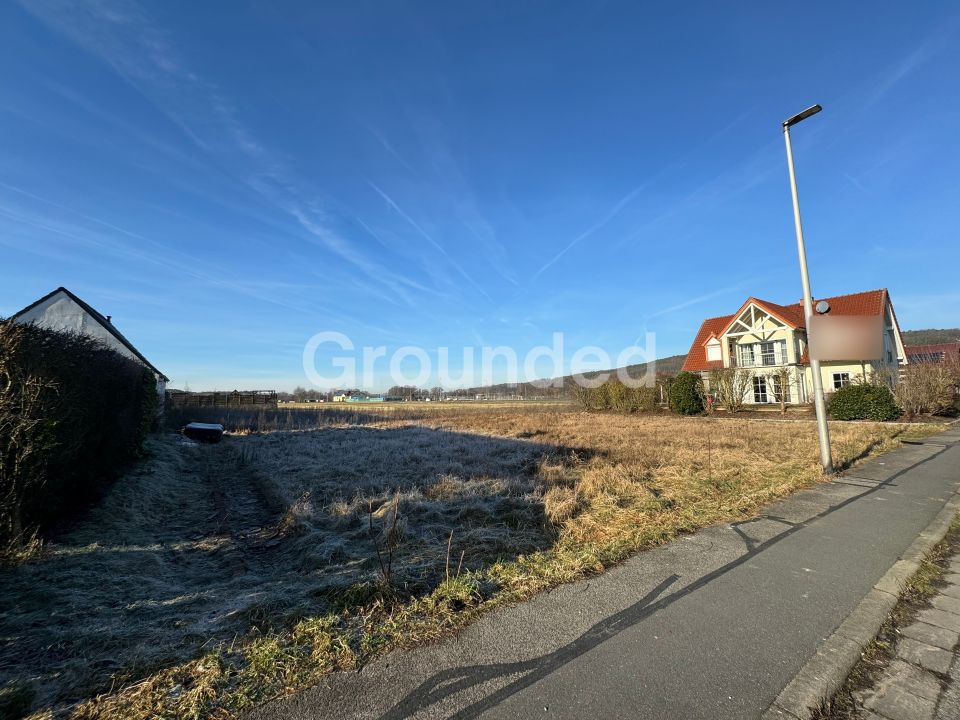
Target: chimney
x: 109, y: 317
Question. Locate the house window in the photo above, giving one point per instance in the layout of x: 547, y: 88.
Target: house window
x: 840, y: 379
x: 713, y: 351
x: 746, y: 355
x: 760, y: 389
x: 767, y: 354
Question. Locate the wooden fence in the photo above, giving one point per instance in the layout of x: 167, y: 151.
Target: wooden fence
x: 233, y: 399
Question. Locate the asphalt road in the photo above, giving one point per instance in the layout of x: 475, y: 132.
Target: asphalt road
x: 712, y: 625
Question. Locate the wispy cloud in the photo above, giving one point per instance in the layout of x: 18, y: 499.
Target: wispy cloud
x: 855, y: 182
x: 944, y: 38
x: 122, y: 35
x: 439, y: 178
x: 89, y: 234
x: 696, y: 300
x: 610, y: 215
x: 429, y: 238
x: 627, y: 199
x: 381, y: 138
x: 755, y: 170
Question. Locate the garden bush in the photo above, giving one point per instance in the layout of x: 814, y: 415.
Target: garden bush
x: 864, y: 402
x: 72, y: 413
x: 618, y: 396
x: 686, y: 394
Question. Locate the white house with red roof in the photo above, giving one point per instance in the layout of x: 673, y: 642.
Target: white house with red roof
x: 766, y: 337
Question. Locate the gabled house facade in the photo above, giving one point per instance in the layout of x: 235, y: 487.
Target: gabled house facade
x: 770, y: 341
x: 63, y: 311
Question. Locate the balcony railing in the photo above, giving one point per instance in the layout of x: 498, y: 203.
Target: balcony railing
x: 758, y: 354
x: 758, y: 362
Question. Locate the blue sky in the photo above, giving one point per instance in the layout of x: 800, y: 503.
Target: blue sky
x: 227, y: 179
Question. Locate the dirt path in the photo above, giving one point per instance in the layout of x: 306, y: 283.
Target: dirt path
x: 162, y: 566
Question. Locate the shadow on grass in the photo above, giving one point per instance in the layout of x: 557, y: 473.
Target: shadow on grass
x: 863, y: 454
x: 187, y: 552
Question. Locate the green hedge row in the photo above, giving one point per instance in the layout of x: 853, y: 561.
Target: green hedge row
x: 73, y: 413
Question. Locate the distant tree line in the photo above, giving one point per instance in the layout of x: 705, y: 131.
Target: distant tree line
x: 302, y: 395
x: 930, y: 337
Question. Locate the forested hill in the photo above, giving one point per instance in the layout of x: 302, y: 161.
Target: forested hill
x: 664, y: 366
x: 930, y: 337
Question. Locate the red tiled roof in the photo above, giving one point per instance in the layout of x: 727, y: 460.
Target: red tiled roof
x: 697, y: 357
x: 867, y: 303
x: 792, y: 314
x: 924, y: 353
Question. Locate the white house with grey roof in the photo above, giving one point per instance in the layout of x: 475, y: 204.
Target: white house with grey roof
x: 63, y: 311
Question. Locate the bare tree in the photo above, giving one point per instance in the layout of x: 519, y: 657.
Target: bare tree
x: 781, y: 380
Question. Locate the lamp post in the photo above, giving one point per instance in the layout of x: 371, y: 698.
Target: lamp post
x: 822, y: 430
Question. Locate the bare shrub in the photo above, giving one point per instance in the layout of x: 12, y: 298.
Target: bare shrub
x: 600, y: 397
x: 389, y: 537
x: 583, y: 396
x: 644, y: 398
x: 927, y: 388
x: 619, y: 397
x: 616, y: 395
x: 731, y: 386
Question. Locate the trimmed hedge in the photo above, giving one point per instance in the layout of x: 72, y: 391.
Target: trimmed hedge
x: 864, y: 402
x: 687, y: 395
x: 73, y: 413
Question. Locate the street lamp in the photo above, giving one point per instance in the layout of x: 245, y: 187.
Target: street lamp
x: 824, y: 433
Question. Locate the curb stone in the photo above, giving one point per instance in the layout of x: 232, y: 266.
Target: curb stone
x: 836, y: 656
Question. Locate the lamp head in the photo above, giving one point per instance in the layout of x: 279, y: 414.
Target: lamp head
x: 812, y: 110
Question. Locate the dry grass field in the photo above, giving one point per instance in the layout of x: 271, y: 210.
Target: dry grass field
x: 214, y: 577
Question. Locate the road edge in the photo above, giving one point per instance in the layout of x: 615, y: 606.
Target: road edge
x: 824, y: 673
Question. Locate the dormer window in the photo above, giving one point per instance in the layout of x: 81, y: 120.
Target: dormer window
x: 713, y: 350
